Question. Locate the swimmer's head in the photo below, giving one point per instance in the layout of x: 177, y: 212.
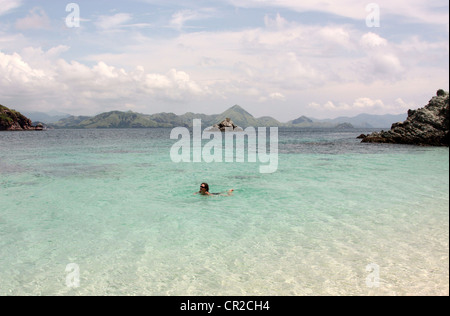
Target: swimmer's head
x: 204, y: 187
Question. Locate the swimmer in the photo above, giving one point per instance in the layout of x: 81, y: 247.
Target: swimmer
x: 204, y: 190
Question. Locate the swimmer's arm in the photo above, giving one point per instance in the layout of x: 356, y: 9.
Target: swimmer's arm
x: 207, y: 193
x: 229, y: 193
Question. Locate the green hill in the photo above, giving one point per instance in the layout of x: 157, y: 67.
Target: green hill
x: 168, y: 120
x: 268, y: 121
x: 117, y: 119
x: 301, y: 120
x: 207, y: 120
x: 11, y: 120
x: 70, y: 122
x: 239, y: 116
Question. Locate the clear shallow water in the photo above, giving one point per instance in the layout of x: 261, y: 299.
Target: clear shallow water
x: 113, y: 203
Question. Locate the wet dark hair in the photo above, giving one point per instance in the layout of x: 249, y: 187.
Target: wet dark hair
x: 206, y: 186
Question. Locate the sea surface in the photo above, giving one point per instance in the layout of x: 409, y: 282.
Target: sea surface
x: 107, y: 212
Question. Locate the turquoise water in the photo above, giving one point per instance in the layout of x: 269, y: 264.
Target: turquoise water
x: 113, y: 203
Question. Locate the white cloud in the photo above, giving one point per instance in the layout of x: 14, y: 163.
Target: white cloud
x: 12, y: 42
x: 400, y: 104
x: 38, y: 56
x: 367, y: 103
x: 280, y: 56
x: 383, y: 60
x: 180, y: 18
x: 18, y: 78
x: 278, y: 23
x: 14, y: 69
x: 387, y: 64
x: 7, y: 5
x: 82, y: 89
x: 337, y: 35
x: 112, y: 22
x: 372, y: 40
x: 277, y: 96
x: 35, y: 20
x: 362, y: 105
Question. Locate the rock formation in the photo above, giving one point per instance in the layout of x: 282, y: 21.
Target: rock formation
x: 428, y: 126
x: 226, y: 125
x: 11, y: 120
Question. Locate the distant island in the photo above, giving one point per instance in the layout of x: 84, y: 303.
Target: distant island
x: 117, y: 119
x: 240, y: 117
x: 13, y: 120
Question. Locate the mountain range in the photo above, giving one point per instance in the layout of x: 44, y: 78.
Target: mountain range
x: 242, y: 118
x: 47, y: 118
x: 368, y: 120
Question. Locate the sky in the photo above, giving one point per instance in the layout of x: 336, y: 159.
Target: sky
x: 279, y: 58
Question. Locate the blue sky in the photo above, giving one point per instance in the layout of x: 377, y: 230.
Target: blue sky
x: 279, y: 58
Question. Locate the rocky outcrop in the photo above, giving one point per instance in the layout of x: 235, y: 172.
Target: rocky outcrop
x: 226, y: 125
x: 11, y: 120
x: 428, y: 126
x: 344, y: 126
